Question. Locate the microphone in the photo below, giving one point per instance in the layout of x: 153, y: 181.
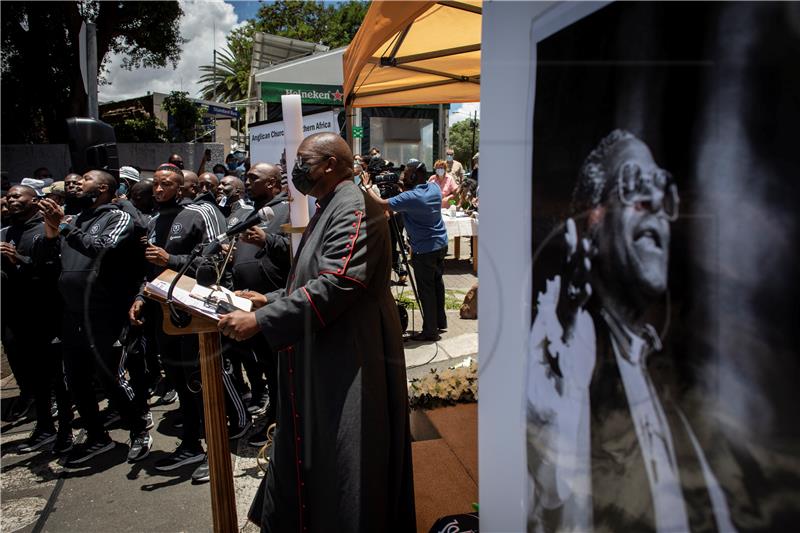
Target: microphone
x: 265, y: 214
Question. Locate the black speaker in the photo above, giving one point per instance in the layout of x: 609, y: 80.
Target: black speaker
x: 92, y: 146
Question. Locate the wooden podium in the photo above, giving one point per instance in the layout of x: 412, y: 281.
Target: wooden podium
x: 223, y: 498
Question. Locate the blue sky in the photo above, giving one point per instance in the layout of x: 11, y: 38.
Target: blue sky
x: 246, y: 9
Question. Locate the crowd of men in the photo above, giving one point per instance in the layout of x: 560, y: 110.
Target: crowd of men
x: 77, y: 253
x: 75, y: 257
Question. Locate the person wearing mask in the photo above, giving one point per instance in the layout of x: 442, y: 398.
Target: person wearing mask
x: 30, y: 330
x: 235, y: 163
x: 96, y: 248
x: 453, y: 167
x: 446, y: 183
x: 342, y: 453
x: 420, y: 206
x: 363, y: 178
x: 219, y: 171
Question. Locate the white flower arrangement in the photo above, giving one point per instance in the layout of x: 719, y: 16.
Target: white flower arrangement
x: 456, y: 384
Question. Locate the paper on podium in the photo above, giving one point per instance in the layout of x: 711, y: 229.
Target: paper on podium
x: 201, y: 299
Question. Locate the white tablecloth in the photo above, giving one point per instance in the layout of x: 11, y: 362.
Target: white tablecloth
x: 461, y: 226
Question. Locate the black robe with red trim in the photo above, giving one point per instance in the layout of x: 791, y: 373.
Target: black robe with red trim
x: 341, y: 458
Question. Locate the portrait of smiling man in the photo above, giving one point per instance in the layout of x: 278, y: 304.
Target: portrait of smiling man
x: 607, y: 447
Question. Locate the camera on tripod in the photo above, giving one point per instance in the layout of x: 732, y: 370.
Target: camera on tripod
x: 385, y: 176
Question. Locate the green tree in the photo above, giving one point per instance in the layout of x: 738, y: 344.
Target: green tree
x: 228, y: 81
x: 460, y: 137
x: 330, y: 24
x: 141, y: 129
x: 185, y: 114
x: 41, y: 79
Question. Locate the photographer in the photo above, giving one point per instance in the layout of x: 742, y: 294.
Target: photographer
x: 420, y: 206
x: 384, y: 182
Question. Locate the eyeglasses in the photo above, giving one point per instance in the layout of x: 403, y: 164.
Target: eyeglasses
x: 300, y: 161
x: 635, y: 186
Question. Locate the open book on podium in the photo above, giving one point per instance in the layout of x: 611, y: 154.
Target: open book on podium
x: 204, y: 303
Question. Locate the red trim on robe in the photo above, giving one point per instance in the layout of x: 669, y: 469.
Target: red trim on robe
x: 312, y: 305
x: 357, y: 225
x: 342, y: 276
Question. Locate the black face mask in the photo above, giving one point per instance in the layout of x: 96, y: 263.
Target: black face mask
x: 301, y: 178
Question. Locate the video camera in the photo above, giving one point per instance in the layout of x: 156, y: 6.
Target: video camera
x: 385, y: 176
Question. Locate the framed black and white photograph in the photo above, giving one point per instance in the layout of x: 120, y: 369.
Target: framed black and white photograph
x: 662, y: 364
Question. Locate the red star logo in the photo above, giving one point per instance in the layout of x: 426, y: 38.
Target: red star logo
x: 337, y: 95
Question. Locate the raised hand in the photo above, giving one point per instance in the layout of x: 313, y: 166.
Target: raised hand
x: 53, y: 213
x: 9, y: 251
x: 575, y: 286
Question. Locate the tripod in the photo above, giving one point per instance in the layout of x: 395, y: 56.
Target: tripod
x: 399, y: 240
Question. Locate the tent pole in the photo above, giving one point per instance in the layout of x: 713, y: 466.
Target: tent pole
x: 348, y: 121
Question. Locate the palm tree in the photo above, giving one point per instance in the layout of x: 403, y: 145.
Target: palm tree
x: 228, y: 82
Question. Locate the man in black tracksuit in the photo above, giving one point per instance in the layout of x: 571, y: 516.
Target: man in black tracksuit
x: 173, y: 233
x: 261, y: 263
x: 97, y: 287
x: 33, y: 326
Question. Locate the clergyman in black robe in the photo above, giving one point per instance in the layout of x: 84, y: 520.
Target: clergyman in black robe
x: 341, y: 458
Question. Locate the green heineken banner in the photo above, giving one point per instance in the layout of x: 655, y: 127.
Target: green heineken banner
x: 310, y: 94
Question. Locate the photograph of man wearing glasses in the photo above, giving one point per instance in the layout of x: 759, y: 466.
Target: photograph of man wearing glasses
x: 607, y: 446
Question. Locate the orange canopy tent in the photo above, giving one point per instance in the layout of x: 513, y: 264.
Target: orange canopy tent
x: 408, y: 53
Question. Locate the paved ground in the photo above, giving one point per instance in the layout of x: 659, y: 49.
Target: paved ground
x: 38, y: 494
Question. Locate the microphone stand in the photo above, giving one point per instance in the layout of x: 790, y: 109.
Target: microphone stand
x: 179, y: 319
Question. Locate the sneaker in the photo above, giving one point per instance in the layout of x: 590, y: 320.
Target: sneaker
x: 110, y: 417
x: 259, y: 406
x: 236, y: 432
x: 140, y: 447
x: 201, y: 473
x: 53, y: 409
x: 86, y: 450
x: 64, y: 442
x: 20, y: 408
x: 259, y: 439
x: 36, y: 441
x: 262, y: 437
x: 148, y: 420
x: 181, y: 456
x: 169, y: 397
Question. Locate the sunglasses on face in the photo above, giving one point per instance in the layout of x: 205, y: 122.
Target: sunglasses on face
x: 634, y: 185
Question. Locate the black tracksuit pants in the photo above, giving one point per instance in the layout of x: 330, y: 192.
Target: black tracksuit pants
x: 428, y: 272
x: 51, y: 379
x: 87, y: 342
x: 180, y: 355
